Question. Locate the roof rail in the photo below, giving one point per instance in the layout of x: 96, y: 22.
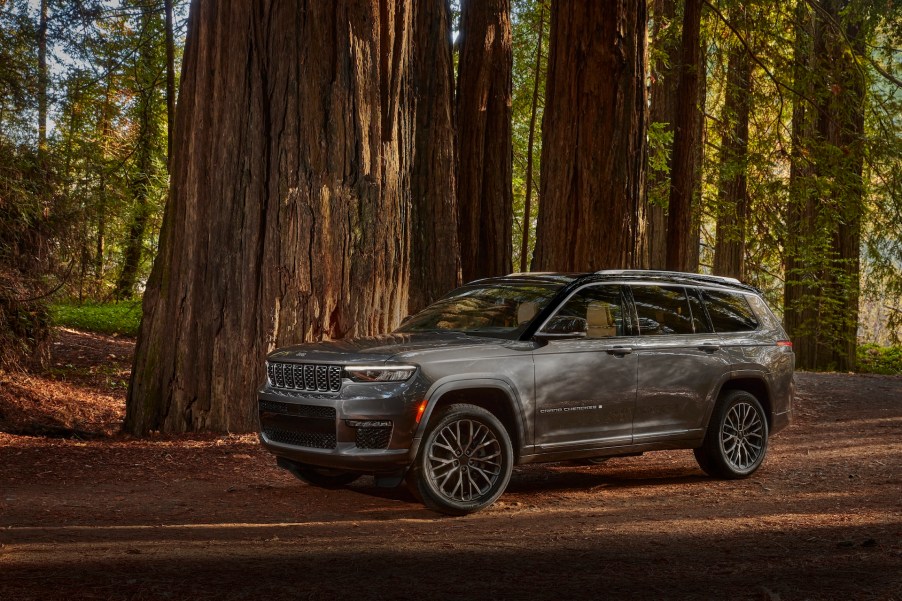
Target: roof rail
x: 698, y: 277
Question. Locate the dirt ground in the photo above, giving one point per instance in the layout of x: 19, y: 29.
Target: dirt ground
x: 99, y: 515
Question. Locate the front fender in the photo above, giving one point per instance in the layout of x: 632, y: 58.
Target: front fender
x: 453, y: 383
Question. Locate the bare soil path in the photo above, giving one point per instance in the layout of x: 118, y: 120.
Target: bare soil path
x: 205, y: 517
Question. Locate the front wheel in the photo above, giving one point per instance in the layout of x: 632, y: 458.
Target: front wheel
x: 465, y: 461
x: 322, y: 477
x: 736, y: 440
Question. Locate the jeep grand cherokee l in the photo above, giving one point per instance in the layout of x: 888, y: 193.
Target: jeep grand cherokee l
x: 535, y: 367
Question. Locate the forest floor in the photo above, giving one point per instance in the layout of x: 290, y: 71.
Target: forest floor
x: 89, y: 513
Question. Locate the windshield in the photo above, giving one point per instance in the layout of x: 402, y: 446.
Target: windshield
x: 501, y: 310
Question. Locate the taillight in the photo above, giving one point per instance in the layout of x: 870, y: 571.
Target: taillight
x: 787, y: 343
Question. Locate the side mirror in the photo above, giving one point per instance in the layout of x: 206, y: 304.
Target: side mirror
x: 562, y: 326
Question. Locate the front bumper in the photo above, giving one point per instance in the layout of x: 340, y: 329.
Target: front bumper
x: 344, y: 430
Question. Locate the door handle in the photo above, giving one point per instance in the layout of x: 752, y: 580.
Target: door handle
x: 619, y: 350
x: 709, y: 347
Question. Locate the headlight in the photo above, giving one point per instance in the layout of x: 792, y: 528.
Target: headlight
x: 380, y: 373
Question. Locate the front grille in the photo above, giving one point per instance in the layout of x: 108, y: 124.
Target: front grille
x: 298, y: 410
x: 373, y: 438
x: 304, y: 376
x: 301, y: 439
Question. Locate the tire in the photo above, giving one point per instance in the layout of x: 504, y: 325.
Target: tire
x: 736, y: 441
x: 321, y: 477
x: 464, y: 463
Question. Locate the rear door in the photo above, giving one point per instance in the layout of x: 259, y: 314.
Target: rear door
x: 680, y: 362
x: 586, y: 386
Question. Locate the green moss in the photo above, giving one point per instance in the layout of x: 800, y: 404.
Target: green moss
x: 880, y: 359
x: 102, y: 318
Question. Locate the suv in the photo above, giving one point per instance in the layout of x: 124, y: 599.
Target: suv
x: 535, y: 367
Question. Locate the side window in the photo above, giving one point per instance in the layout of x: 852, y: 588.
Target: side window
x: 699, y: 319
x: 729, y: 311
x: 662, y: 310
x: 599, y: 307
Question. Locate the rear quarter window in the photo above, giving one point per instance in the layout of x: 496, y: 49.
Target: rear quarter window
x: 729, y: 311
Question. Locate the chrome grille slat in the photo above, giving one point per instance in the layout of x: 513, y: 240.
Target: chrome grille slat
x: 308, y: 377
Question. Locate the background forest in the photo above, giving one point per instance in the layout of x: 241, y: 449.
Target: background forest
x: 323, y: 174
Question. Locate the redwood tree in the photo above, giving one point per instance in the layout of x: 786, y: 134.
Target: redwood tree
x: 662, y: 112
x: 682, y: 233
x: 288, y: 215
x: 434, y: 260
x: 593, y: 136
x: 729, y: 249
x: 484, y: 153
x: 823, y: 222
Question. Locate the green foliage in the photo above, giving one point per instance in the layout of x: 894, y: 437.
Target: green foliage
x: 525, y: 20
x: 122, y: 318
x: 875, y: 359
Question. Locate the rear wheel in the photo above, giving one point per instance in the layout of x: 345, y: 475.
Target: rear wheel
x: 322, y: 477
x: 465, y: 461
x: 736, y: 441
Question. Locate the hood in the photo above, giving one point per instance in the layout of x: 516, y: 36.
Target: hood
x: 381, y: 348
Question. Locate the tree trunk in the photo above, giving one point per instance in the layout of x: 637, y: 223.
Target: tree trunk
x: 484, y: 144
x: 680, y: 231
x: 533, y: 111
x: 841, y: 127
x: 593, y: 137
x: 435, y: 256
x: 42, y: 80
x: 289, y: 210
x: 663, y: 90
x: 826, y: 193
x: 800, y: 288
x: 732, y: 209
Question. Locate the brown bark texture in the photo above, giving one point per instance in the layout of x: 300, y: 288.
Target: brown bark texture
x: 435, y: 256
x: 593, y: 137
x: 681, y: 234
x: 484, y: 143
x: 288, y: 215
x: 733, y: 202
x: 826, y: 193
x: 662, y: 109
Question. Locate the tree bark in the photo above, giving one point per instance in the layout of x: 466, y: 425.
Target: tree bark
x: 484, y: 144
x: 533, y: 111
x: 663, y: 91
x: 732, y: 213
x: 435, y: 255
x: 289, y: 212
x: 680, y: 231
x: 593, y: 137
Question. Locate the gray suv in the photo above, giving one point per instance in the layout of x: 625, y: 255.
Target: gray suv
x: 535, y: 367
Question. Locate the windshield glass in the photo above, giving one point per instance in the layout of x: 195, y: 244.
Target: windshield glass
x: 502, y: 310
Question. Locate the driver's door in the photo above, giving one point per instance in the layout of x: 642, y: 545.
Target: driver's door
x: 586, y: 383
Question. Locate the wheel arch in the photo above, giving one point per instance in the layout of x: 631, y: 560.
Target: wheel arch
x: 756, y: 384
x: 498, y: 397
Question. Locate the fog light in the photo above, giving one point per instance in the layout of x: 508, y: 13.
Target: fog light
x: 363, y: 423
